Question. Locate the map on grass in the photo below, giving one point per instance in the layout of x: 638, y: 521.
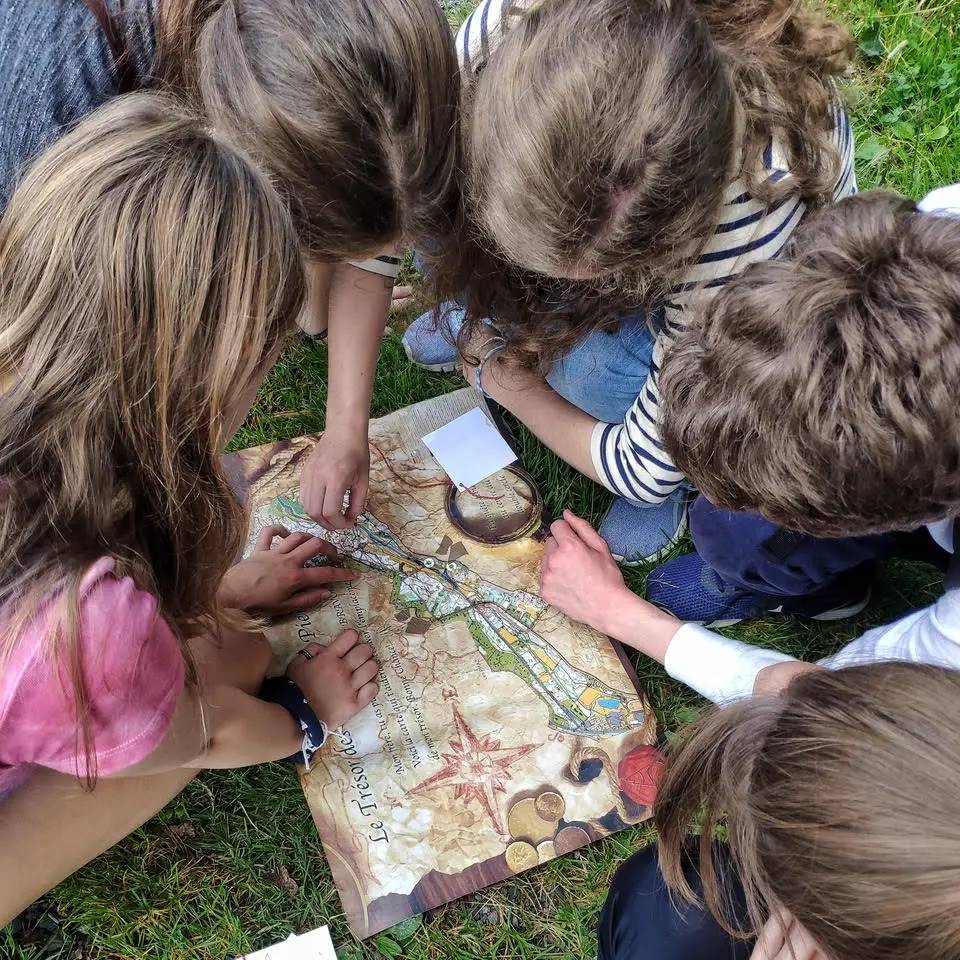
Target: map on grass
x: 503, y: 734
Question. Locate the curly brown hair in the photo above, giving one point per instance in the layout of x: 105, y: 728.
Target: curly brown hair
x: 821, y: 390
x: 598, y: 139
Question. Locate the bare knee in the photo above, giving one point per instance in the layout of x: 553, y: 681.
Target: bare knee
x: 53, y: 825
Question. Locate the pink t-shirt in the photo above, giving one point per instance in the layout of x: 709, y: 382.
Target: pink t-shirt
x: 133, y: 671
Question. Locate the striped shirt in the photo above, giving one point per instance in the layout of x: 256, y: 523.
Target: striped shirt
x: 628, y: 456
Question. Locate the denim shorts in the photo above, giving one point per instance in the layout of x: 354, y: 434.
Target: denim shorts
x: 604, y: 374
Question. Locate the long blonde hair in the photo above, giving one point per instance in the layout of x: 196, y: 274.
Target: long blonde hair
x: 147, y: 269
x: 842, y: 802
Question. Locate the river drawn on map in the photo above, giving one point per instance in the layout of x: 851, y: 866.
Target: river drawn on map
x: 501, y: 621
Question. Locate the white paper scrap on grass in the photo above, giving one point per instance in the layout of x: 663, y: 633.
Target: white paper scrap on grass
x: 315, y: 945
x: 469, y: 448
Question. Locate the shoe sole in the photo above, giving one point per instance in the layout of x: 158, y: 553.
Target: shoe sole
x: 842, y: 613
x: 837, y: 613
x: 662, y: 552
x: 448, y: 367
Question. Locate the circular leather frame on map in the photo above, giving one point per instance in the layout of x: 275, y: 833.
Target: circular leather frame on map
x: 505, y: 507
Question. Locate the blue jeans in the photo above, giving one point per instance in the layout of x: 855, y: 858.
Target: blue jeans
x: 756, y: 555
x: 604, y: 374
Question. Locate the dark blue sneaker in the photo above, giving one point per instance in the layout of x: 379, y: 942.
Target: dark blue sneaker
x: 694, y: 592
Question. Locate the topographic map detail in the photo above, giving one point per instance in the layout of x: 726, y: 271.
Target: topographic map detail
x: 497, y: 737
x: 500, y: 620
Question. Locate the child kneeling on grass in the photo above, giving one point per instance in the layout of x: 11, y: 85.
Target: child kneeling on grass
x: 148, y: 275
x: 819, y: 391
x: 622, y: 157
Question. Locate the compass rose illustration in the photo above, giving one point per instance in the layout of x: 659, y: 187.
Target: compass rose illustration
x: 476, y: 768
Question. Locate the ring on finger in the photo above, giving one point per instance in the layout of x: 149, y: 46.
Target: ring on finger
x: 305, y: 654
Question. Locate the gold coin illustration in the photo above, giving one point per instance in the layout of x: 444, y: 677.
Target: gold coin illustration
x: 570, y: 839
x: 524, y: 823
x: 550, y: 805
x: 521, y: 856
x: 546, y: 851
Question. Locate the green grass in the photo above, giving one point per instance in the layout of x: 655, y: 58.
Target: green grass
x: 203, y: 879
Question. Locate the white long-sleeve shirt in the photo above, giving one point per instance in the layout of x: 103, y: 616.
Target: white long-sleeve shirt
x: 725, y: 670
x: 629, y: 457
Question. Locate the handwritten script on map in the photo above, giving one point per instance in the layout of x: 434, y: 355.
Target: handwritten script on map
x: 503, y: 734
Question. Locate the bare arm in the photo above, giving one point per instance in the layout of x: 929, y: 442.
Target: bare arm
x: 564, y: 428
x: 581, y: 578
x: 219, y: 722
x: 357, y: 306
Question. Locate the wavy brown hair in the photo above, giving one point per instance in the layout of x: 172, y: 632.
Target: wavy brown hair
x: 599, y: 138
x: 820, y: 389
x: 841, y: 798
x: 350, y: 105
x: 147, y: 271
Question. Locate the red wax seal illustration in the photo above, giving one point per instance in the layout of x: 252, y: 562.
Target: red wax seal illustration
x: 639, y: 773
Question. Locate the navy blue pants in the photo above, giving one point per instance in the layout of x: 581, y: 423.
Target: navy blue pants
x: 642, y: 921
x: 756, y: 555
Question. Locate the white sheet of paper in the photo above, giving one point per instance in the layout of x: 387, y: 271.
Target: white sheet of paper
x: 315, y: 945
x: 469, y: 448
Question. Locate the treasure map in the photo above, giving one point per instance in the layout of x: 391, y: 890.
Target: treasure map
x: 504, y: 734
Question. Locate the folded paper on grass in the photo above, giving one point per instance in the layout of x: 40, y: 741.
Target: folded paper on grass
x: 502, y: 730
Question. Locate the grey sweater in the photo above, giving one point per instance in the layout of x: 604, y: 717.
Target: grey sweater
x: 56, y: 66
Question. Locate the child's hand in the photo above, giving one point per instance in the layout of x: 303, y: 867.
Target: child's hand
x: 273, y: 579
x: 338, y: 464
x: 578, y: 575
x: 785, y: 938
x: 338, y: 680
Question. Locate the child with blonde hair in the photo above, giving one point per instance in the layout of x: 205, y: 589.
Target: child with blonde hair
x: 350, y: 107
x: 148, y: 275
x: 623, y: 160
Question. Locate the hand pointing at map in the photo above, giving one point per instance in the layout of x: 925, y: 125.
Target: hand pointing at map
x: 338, y: 466
x: 273, y: 579
x: 579, y: 576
